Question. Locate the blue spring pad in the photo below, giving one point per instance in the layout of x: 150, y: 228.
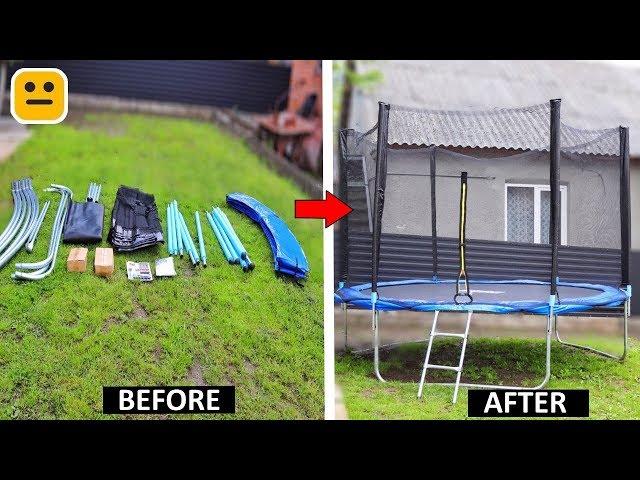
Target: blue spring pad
x: 288, y: 256
x: 490, y: 296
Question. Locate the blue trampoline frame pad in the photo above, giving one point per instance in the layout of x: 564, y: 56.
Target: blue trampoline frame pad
x: 490, y: 296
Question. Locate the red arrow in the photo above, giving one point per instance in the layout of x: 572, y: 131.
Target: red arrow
x: 331, y: 209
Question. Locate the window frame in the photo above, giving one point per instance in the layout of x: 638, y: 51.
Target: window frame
x: 537, y: 189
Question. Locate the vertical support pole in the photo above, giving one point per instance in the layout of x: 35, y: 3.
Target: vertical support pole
x: 381, y: 178
x: 344, y: 137
x: 554, y: 185
x: 434, y: 229
x: 625, y: 202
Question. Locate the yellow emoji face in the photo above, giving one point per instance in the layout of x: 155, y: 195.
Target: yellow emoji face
x: 39, y: 95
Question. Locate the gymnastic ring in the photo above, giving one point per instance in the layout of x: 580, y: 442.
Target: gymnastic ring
x: 462, y: 294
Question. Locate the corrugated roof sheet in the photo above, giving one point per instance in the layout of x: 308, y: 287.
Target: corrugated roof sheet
x: 594, y: 96
x: 523, y: 128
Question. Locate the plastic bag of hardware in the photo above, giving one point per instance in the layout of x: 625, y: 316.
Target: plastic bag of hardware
x: 134, y: 221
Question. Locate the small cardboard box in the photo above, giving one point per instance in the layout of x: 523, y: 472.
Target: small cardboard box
x: 77, y: 260
x: 103, y: 263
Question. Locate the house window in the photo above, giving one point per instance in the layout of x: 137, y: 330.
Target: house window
x: 527, y: 213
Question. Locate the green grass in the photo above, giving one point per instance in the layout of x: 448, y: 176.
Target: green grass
x: 614, y: 386
x: 63, y: 338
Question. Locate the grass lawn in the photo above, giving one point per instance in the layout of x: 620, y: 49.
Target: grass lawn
x: 614, y: 387
x: 63, y: 338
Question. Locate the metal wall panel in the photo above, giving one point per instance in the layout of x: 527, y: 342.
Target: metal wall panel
x: 251, y: 86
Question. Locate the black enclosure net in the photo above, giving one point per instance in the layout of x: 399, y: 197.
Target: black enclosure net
x: 506, y: 154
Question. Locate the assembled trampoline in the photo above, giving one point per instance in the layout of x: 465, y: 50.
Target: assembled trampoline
x: 501, y: 211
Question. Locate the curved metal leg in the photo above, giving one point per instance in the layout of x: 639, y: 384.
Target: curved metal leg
x: 594, y: 350
x: 376, y: 347
x: 346, y: 334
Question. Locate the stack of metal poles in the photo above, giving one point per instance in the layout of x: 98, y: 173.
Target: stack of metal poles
x: 230, y: 244
x: 179, y: 238
x: 40, y: 270
x: 93, y: 194
x: 24, y: 223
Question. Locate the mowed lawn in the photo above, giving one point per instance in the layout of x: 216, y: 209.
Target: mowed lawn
x: 614, y: 387
x: 63, y: 338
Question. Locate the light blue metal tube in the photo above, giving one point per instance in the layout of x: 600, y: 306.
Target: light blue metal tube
x: 233, y: 238
x: 188, y: 240
x: 174, y: 234
x: 183, y: 234
x: 169, y: 232
x: 173, y: 229
x: 203, y: 253
x: 176, y: 230
x: 218, y: 235
x: 235, y: 257
x: 192, y: 245
x: 234, y: 235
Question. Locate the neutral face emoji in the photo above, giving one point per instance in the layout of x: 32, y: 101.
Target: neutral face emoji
x: 39, y: 95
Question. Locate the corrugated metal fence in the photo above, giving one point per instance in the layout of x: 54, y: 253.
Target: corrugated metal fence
x: 252, y: 86
x: 409, y: 256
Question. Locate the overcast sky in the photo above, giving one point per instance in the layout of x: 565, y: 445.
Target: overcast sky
x: 621, y: 63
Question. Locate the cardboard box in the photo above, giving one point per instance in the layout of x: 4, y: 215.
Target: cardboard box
x: 103, y: 263
x: 77, y: 260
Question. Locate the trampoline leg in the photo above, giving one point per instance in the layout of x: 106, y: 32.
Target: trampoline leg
x: 346, y: 334
x: 376, y: 347
x: 550, y: 321
x: 600, y: 352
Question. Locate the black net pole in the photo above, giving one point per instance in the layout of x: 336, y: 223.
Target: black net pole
x: 434, y: 229
x: 381, y: 175
x: 625, y: 202
x: 344, y: 194
x: 554, y: 187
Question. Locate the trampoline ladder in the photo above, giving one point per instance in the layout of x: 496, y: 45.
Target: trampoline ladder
x: 434, y: 333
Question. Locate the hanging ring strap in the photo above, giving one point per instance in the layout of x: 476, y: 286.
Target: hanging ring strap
x: 462, y: 284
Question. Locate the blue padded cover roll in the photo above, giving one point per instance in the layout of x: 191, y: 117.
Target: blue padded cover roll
x: 288, y: 256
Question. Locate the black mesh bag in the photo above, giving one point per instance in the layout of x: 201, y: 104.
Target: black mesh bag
x: 134, y: 221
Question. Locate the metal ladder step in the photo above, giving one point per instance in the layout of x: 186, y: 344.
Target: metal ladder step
x: 463, y: 349
x: 447, y: 334
x: 442, y: 367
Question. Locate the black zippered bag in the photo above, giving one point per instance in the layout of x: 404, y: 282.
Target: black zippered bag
x: 84, y: 223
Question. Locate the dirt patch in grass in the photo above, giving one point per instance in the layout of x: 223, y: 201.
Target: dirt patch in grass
x: 190, y: 271
x: 248, y: 366
x: 110, y: 322
x: 195, y: 374
x: 157, y: 353
x: 139, y: 311
x: 107, y: 124
x: 405, y: 365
